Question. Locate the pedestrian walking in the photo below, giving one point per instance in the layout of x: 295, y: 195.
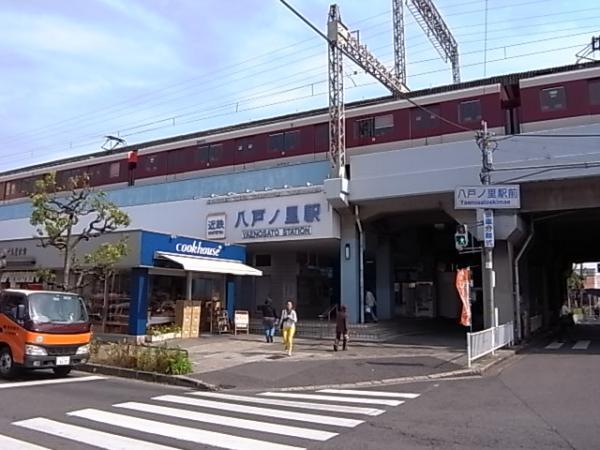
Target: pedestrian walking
x: 289, y: 318
x: 341, y: 328
x: 269, y: 319
x: 370, y: 304
x: 565, y: 321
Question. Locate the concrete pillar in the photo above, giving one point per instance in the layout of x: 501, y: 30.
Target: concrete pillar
x: 503, y: 292
x: 384, y: 279
x: 350, y: 267
x: 138, y: 308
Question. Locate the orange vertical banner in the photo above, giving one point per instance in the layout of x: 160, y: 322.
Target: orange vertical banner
x: 463, y: 287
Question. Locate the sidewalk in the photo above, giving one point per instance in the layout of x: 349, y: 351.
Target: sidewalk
x: 248, y: 362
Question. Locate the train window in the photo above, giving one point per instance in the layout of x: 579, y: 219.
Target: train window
x: 423, y: 120
x: 176, y: 160
x: 214, y: 152
x: 594, y: 87
x: 276, y: 142
x: 11, y: 188
x: 364, y: 128
x: 244, y: 144
x: 322, y: 136
x: 291, y: 140
x: 470, y: 111
x: 114, y: 170
x: 383, y: 124
x: 151, y: 163
x: 552, y: 99
x: 208, y: 153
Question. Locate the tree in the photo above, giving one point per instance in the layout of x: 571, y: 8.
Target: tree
x: 101, y: 263
x: 67, y: 215
x: 574, y: 281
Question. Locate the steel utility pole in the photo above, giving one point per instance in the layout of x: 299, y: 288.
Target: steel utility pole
x: 484, y: 143
x: 432, y: 23
x: 399, y: 47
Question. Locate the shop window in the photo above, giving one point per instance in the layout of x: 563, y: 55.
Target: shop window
x: 594, y: 88
x: 384, y: 124
x: 207, y: 154
x: 425, y: 120
x: 244, y: 144
x: 114, y: 170
x: 553, y: 99
x: 262, y: 260
x: 470, y: 111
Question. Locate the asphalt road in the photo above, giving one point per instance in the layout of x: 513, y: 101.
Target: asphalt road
x: 546, y: 398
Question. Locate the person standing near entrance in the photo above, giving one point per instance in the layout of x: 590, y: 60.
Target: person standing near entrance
x: 370, y: 304
x: 289, y: 318
x: 269, y: 319
x: 341, y: 328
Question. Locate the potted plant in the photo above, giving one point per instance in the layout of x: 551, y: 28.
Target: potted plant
x: 159, y: 333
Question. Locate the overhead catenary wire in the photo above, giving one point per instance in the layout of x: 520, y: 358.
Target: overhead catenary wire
x: 291, y: 46
x: 55, y: 148
x: 310, y: 40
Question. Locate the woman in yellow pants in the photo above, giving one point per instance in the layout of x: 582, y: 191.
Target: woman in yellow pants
x: 289, y: 318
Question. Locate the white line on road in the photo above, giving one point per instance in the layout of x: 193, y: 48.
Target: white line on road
x: 267, y: 412
x: 95, y: 438
x: 255, y: 425
x: 14, y: 444
x: 582, y: 345
x: 292, y: 404
x: 370, y: 393
x: 53, y: 381
x: 194, y: 435
x: 554, y: 346
x: 333, y: 398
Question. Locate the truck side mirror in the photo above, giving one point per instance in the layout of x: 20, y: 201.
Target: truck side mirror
x: 20, y: 312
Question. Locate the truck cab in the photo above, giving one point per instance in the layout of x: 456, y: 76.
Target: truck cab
x: 42, y: 330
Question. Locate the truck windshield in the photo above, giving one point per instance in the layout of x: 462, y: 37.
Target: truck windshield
x: 56, y: 308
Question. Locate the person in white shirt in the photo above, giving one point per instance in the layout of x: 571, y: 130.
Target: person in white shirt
x: 370, y: 304
x: 564, y: 321
x: 289, y: 318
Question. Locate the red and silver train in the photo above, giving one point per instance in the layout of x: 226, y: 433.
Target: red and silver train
x: 511, y: 104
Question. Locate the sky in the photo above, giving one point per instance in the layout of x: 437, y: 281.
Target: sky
x: 73, y: 72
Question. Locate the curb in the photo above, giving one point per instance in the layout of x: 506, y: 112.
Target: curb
x: 473, y: 372
x: 152, y: 377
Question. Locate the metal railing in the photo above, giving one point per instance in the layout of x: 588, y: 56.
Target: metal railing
x: 327, y: 313
x: 535, y: 323
x: 488, y: 341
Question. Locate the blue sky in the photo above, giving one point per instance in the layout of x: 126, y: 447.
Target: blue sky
x: 73, y: 72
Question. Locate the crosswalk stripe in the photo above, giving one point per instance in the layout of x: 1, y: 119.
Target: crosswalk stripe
x: 370, y: 393
x: 292, y: 404
x: 15, y: 444
x: 285, y: 430
x: 267, y: 412
x: 95, y: 438
x: 374, y: 401
x: 194, y: 435
x: 582, y: 345
x: 53, y: 381
x: 554, y: 345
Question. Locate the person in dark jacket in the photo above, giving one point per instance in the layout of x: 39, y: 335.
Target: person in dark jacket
x: 269, y: 319
x: 341, y: 328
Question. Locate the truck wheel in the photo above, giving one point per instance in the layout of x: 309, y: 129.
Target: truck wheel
x: 7, y: 365
x: 62, y: 371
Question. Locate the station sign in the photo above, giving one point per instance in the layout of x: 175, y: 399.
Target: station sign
x: 498, y: 196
